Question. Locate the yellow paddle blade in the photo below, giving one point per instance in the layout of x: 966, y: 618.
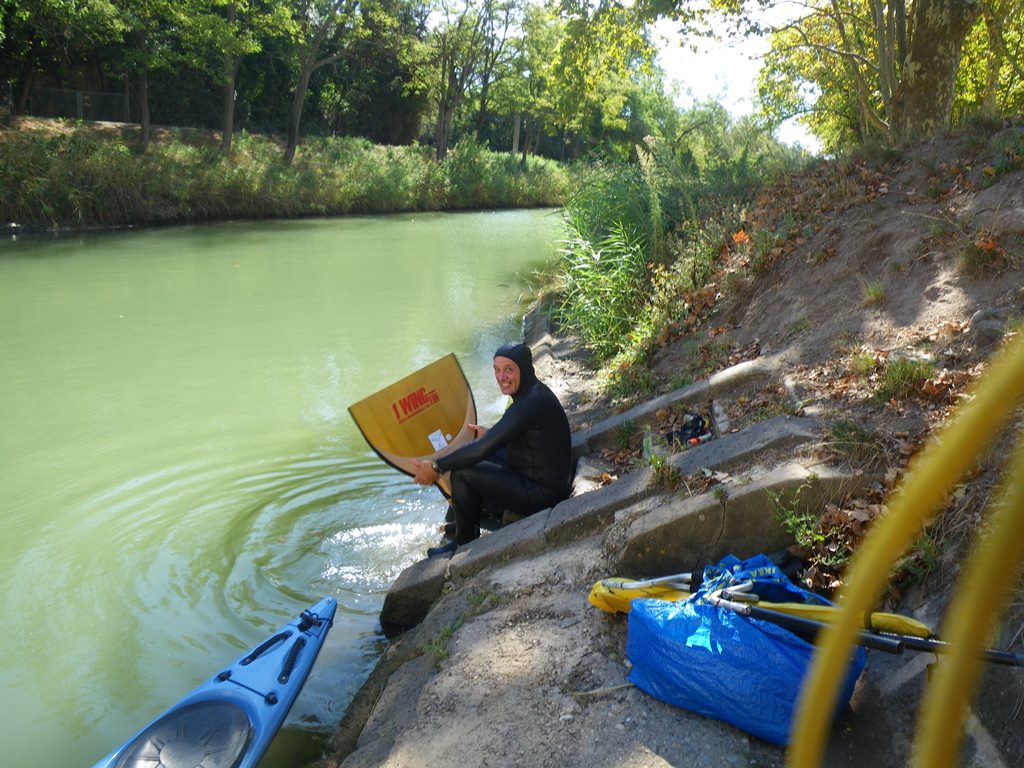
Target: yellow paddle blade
x: 892, y: 623
x: 423, y: 416
x: 611, y: 598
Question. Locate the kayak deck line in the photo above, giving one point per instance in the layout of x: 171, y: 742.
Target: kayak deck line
x: 229, y: 720
x: 265, y: 646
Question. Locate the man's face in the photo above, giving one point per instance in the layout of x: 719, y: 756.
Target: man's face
x: 506, y: 373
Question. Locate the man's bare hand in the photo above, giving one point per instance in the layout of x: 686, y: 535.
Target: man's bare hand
x: 425, y: 474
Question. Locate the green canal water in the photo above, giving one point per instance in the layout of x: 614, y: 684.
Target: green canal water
x: 179, y: 475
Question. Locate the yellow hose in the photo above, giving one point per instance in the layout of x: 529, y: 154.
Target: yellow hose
x: 970, y: 619
x: 949, y: 453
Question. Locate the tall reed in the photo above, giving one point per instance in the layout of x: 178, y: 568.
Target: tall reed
x: 644, y: 235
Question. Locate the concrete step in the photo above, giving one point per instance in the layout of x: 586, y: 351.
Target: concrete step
x: 704, y: 519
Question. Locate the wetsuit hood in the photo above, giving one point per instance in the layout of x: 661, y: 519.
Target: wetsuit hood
x: 521, y: 355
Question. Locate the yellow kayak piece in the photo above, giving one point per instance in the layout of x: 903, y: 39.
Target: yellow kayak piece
x: 614, y: 595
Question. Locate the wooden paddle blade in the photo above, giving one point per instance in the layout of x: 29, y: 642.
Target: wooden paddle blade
x: 425, y: 415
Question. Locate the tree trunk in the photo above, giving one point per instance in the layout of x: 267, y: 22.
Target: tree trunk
x: 227, y: 126
x: 296, y: 115
x: 481, y: 117
x: 993, y: 65
x: 28, y: 73
x: 227, y: 123
x: 924, y: 104
x: 145, y: 129
x: 515, y: 132
x: 445, y: 114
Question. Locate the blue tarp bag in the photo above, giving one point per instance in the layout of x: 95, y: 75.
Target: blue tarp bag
x: 715, y: 662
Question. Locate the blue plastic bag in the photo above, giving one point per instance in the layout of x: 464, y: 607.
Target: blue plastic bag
x: 717, y: 663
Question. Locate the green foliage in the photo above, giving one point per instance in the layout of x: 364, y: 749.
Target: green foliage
x: 85, y: 177
x: 1007, y: 152
x: 628, y: 377
x: 852, y: 441
x: 656, y: 452
x: 623, y: 277
x: 846, y: 76
x: 828, y: 545
x: 980, y: 256
x: 903, y: 377
x: 863, y: 364
x: 914, y: 567
x: 797, y: 327
x: 602, y: 287
x: 873, y: 294
x: 766, y: 241
x: 437, y: 646
x: 624, y: 434
x: 605, y: 197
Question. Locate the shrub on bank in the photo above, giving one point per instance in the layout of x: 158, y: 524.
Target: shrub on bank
x: 72, y: 175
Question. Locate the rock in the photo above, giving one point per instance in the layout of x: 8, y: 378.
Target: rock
x: 987, y: 328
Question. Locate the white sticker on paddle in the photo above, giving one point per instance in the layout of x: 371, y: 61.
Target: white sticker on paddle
x: 437, y: 440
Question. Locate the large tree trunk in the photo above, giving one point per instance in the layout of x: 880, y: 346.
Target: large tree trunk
x: 993, y: 65
x: 515, y: 132
x: 296, y: 115
x: 924, y: 105
x: 445, y: 114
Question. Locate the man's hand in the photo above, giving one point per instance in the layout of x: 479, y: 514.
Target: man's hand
x: 477, y: 430
x: 425, y: 474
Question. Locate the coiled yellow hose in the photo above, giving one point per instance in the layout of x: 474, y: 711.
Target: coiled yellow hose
x: 949, y: 453
x: 971, y: 617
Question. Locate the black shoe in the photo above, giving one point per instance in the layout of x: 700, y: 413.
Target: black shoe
x: 444, y: 549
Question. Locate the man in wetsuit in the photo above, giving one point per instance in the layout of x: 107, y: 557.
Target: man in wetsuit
x: 522, y: 464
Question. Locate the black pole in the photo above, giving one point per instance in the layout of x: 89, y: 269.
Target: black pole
x: 985, y: 654
x: 879, y: 641
x: 809, y: 629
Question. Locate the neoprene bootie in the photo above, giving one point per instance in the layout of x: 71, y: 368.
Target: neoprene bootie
x: 444, y: 549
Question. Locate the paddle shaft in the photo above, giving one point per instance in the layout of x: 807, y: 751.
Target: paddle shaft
x: 809, y: 629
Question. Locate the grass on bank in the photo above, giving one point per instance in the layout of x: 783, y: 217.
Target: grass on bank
x: 71, y: 174
x: 638, y: 243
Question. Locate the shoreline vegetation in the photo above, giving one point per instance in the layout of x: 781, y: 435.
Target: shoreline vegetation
x: 58, y: 175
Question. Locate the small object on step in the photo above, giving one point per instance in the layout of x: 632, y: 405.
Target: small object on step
x: 693, y: 430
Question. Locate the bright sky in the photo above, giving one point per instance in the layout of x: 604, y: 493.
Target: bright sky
x: 724, y: 72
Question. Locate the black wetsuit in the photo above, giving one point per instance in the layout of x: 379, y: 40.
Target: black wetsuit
x: 523, y: 463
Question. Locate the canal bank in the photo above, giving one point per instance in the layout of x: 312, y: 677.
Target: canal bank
x: 504, y: 662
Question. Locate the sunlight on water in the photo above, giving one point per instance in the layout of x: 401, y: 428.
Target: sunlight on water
x: 179, y: 471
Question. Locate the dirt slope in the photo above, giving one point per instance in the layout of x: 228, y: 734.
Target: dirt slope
x: 514, y: 668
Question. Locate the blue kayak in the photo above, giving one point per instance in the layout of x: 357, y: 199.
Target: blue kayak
x: 230, y: 720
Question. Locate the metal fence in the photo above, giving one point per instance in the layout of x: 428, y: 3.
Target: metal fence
x: 83, y: 105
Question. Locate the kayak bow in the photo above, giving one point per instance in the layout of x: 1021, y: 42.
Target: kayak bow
x: 229, y: 720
